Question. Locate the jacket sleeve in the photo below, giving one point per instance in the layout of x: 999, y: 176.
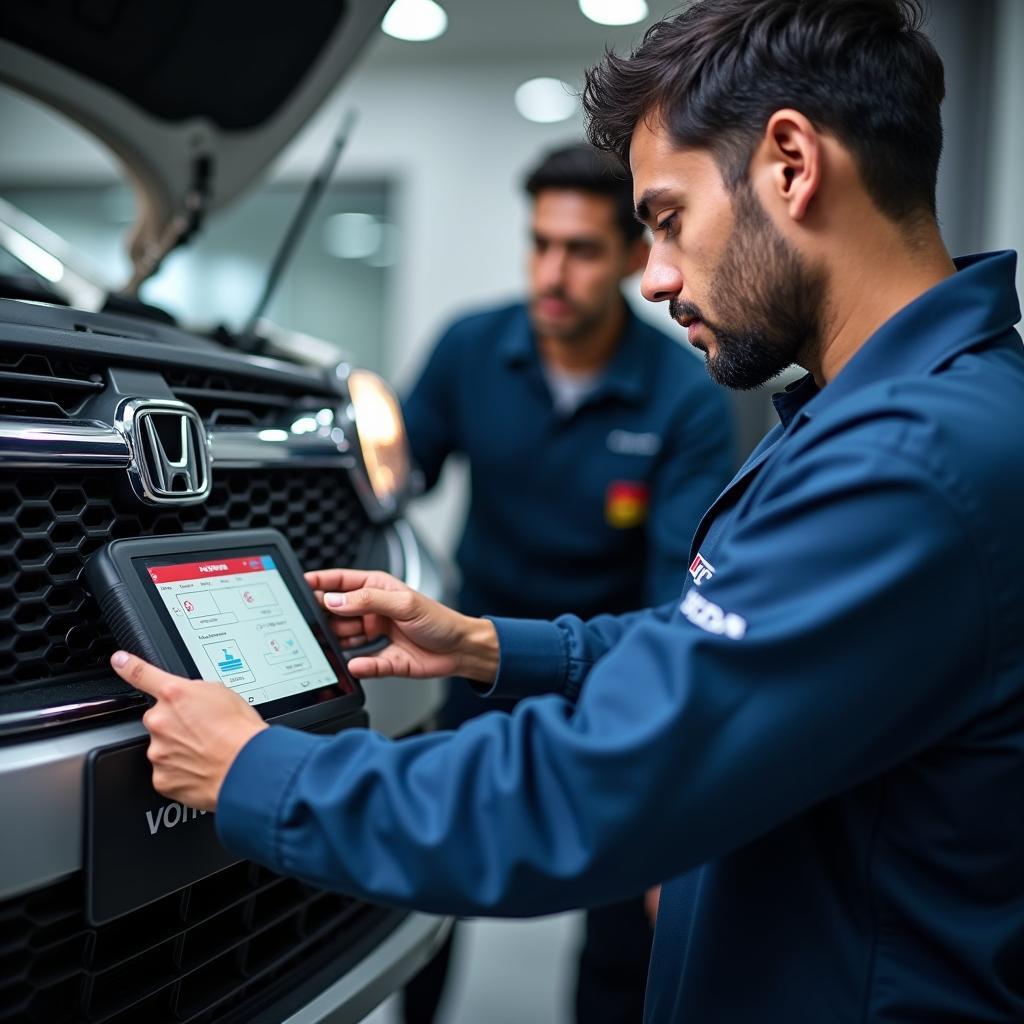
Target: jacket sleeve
x: 540, y: 657
x: 825, y: 649
x: 695, y: 464
x: 430, y: 410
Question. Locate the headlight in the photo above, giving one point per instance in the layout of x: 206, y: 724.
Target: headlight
x: 382, y: 439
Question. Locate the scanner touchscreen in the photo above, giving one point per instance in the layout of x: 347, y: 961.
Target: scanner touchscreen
x: 242, y: 626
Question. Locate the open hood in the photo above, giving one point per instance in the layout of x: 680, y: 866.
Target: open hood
x: 195, y: 97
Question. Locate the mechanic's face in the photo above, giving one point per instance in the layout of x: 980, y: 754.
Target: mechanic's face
x: 747, y: 298
x: 578, y: 260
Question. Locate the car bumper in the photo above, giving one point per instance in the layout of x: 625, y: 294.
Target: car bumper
x: 391, y: 964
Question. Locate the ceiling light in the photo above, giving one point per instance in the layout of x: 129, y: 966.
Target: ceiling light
x: 352, y: 236
x: 614, y: 12
x: 415, y: 21
x: 545, y: 100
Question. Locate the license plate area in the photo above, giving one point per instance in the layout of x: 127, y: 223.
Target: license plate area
x: 139, y: 846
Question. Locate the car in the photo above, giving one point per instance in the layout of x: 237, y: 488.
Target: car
x: 262, y: 428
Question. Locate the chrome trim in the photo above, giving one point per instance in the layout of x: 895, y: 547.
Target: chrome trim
x: 32, y: 443
x: 41, y: 789
x: 37, y: 719
x: 243, y: 447
x: 382, y: 971
x: 132, y: 419
x: 35, y: 442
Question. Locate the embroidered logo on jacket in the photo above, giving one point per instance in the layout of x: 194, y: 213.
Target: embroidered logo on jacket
x: 628, y: 442
x: 707, y: 615
x: 701, y: 569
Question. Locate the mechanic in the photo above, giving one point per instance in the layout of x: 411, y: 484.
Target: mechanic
x: 595, y: 443
x: 822, y: 742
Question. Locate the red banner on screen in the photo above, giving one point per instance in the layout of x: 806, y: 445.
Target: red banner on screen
x: 205, y: 570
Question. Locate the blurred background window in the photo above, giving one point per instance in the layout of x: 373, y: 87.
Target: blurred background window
x: 335, y: 287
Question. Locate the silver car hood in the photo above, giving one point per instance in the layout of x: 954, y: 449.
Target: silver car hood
x: 195, y: 97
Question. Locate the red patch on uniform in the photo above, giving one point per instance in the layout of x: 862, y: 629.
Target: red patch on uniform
x: 625, y: 503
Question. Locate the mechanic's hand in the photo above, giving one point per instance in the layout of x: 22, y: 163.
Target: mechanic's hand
x: 196, y: 730
x: 426, y: 638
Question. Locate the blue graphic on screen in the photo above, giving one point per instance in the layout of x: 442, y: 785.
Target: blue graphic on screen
x: 231, y: 661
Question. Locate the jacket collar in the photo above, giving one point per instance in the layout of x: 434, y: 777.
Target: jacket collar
x: 977, y: 303
x: 627, y: 376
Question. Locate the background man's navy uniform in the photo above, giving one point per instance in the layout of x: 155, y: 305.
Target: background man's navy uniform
x: 831, y: 722
x: 588, y: 511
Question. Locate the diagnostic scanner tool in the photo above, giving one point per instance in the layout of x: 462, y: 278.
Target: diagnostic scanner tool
x: 231, y: 607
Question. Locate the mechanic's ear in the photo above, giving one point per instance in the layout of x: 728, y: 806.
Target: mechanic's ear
x: 792, y: 147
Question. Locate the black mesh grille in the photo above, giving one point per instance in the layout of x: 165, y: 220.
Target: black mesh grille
x: 33, y: 384
x: 215, y: 949
x: 227, y: 399
x: 50, y: 523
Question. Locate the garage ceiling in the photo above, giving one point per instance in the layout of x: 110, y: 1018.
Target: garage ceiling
x: 507, y: 30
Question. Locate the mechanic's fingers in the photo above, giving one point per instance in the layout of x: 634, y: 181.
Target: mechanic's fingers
x: 349, y: 579
x: 162, y: 782
x: 392, y: 604
x: 372, y: 667
x: 391, y: 661
x: 356, y: 632
x: 144, y: 676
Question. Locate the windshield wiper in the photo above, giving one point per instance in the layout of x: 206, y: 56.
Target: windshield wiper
x: 248, y: 338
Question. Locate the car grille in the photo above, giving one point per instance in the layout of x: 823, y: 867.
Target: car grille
x: 32, y: 384
x: 51, y: 523
x: 37, y: 384
x: 220, y: 949
x: 229, y: 400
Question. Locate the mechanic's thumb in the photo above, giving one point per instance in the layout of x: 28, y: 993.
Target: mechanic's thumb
x: 392, y: 604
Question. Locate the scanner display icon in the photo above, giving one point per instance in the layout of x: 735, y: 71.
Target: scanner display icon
x: 231, y: 662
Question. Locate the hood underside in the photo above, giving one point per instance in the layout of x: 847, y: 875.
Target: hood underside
x: 195, y: 97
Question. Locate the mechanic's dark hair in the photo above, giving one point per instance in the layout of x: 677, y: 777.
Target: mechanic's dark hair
x: 713, y: 75
x: 585, y: 168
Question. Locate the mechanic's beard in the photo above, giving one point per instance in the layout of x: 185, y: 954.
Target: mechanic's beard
x: 768, y: 302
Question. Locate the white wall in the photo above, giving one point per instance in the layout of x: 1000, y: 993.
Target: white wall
x: 1005, y: 220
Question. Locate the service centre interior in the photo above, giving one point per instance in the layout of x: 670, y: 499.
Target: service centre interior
x: 510, y: 513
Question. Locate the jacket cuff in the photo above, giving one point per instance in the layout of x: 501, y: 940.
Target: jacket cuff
x: 533, y: 659
x: 255, y: 789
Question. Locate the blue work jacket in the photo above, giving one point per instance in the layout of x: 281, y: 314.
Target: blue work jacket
x: 821, y: 741
x: 588, y: 512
